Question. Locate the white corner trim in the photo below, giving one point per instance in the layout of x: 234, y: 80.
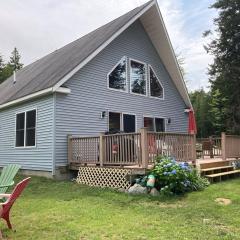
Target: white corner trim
x: 63, y: 90
x: 100, y: 48
x: 35, y: 95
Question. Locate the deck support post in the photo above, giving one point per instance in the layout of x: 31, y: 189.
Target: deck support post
x: 101, y: 149
x: 211, y: 146
x: 144, y: 144
x: 224, y: 157
x: 69, y: 139
x: 194, y: 150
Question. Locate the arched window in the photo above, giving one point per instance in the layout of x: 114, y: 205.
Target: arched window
x: 117, y: 78
x: 156, y: 89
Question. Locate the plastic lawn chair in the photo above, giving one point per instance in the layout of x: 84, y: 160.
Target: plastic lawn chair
x: 11, y: 198
x: 7, y: 176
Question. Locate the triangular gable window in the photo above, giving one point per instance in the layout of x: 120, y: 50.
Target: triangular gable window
x: 156, y: 89
x: 117, y: 78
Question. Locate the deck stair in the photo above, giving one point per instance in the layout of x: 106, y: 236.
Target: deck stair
x: 218, y: 171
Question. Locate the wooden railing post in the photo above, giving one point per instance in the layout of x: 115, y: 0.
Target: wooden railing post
x: 101, y: 149
x: 194, y: 150
x: 224, y: 157
x: 211, y: 147
x: 70, y: 153
x: 144, y: 144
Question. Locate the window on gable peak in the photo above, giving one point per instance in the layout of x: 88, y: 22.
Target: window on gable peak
x: 156, y: 89
x: 138, y: 77
x: 117, y: 78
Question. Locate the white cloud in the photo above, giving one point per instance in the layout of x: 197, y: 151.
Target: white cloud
x: 39, y: 27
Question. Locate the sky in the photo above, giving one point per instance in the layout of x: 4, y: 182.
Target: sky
x: 37, y: 28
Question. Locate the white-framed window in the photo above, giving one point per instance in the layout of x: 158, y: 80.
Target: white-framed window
x: 154, y: 124
x: 138, y: 77
x: 155, y: 87
x: 26, y: 128
x: 117, y: 77
x: 121, y: 122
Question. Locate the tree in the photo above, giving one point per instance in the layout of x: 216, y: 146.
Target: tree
x: 15, y: 60
x: 14, y: 64
x: 225, y: 71
x: 201, y: 104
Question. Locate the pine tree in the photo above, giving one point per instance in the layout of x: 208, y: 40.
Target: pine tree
x: 225, y: 71
x: 15, y: 60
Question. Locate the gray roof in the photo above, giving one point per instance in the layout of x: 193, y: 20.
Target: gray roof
x: 49, y: 70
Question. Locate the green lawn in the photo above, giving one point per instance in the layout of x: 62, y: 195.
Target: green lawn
x: 65, y: 210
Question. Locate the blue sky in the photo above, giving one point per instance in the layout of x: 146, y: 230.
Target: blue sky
x: 39, y: 27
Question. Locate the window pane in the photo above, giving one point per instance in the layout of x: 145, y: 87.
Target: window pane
x: 138, y: 78
x: 148, y: 123
x: 31, y: 119
x: 156, y: 89
x: 129, y: 123
x: 20, y: 138
x: 30, y: 137
x: 114, y: 122
x: 20, y: 121
x: 117, y: 78
x: 159, y: 123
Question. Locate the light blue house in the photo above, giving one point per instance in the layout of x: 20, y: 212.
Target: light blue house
x: 121, y: 77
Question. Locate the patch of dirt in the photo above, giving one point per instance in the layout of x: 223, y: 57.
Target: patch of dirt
x: 223, y: 201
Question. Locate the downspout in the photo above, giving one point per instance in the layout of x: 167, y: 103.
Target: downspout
x: 54, y: 137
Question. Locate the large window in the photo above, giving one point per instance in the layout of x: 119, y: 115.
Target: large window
x: 117, y: 77
x: 121, y: 122
x: 154, y: 124
x: 26, y: 129
x: 156, y: 89
x: 138, y: 77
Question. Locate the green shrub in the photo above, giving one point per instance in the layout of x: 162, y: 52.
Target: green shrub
x: 176, y: 178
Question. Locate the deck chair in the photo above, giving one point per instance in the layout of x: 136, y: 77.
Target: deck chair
x: 11, y: 198
x: 7, y: 176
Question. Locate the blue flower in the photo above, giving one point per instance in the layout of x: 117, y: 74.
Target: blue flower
x: 165, y: 173
x: 174, y: 171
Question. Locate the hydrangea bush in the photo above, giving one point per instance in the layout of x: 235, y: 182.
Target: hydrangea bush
x: 176, y: 178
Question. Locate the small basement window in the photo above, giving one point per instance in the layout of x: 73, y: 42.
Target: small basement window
x: 156, y: 89
x: 117, y: 78
x: 138, y: 77
x: 26, y: 129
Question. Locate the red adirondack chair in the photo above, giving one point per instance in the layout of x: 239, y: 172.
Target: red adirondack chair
x: 11, y: 198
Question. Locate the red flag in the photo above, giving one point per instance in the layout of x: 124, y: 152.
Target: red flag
x: 192, y: 126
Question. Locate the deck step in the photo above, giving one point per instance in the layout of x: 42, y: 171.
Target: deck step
x: 222, y: 174
x: 216, y: 168
x: 214, y: 164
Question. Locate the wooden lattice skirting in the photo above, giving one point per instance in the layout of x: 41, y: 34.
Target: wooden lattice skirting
x: 104, y: 177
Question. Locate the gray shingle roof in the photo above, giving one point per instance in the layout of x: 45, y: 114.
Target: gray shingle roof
x: 49, y: 70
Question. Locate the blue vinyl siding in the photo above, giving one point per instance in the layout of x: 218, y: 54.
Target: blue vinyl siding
x: 33, y: 158
x: 79, y: 112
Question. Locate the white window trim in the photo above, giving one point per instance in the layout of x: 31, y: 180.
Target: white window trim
x: 25, y: 114
x: 149, y: 84
x: 121, y: 119
x: 130, y: 80
x: 114, y: 89
x: 154, y: 124
x: 133, y: 114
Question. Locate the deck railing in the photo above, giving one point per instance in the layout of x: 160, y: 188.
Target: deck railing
x: 230, y: 146
x: 211, y: 146
x: 138, y: 149
x: 179, y: 146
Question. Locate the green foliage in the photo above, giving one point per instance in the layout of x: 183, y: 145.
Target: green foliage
x: 176, y: 178
x: 201, y: 103
x: 225, y: 71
